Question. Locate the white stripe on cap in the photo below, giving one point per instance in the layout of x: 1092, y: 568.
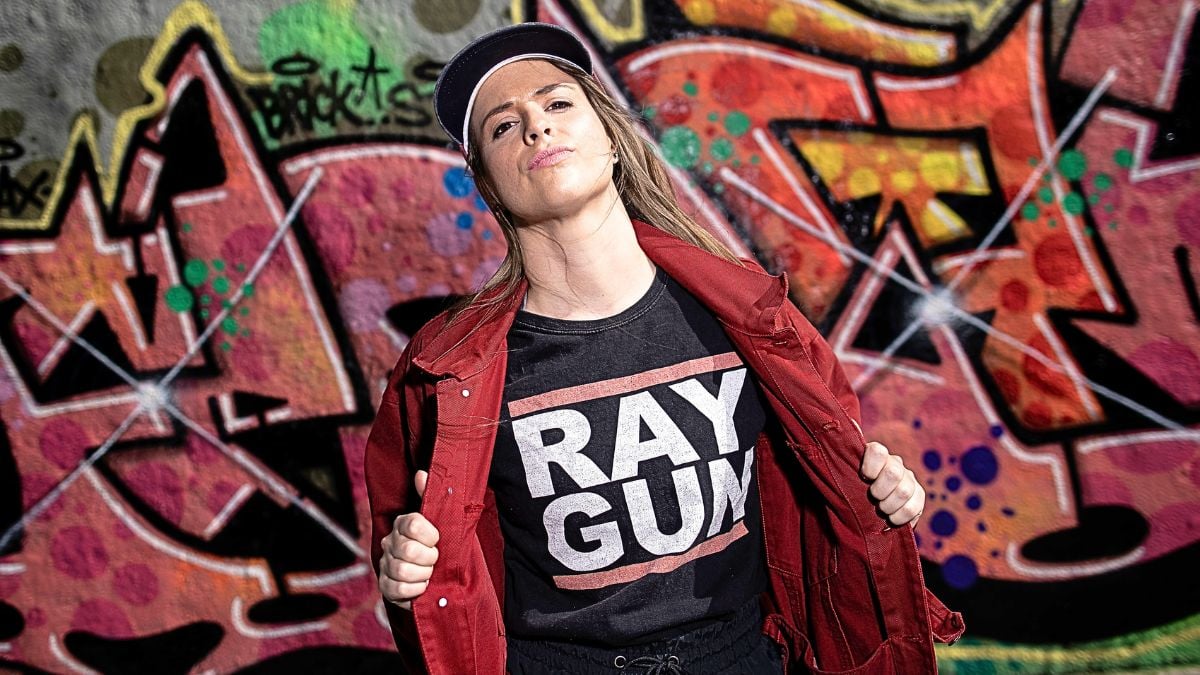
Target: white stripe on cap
x: 498, y: 66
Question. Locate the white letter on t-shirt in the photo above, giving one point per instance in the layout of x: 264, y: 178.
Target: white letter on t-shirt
x: 630, y: 450
x: 609, y: 536
x: 645, y: 523
x: 727, y: 490
x: 718, y: 410
x: 566, y: 453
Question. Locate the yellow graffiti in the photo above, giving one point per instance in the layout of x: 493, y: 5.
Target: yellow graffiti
x: 1063, y: 655
x: 980, y: 18
x: 636, y: 30
x: 189, y: 15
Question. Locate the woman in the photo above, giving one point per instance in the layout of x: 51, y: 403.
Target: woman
x: 630, y: 451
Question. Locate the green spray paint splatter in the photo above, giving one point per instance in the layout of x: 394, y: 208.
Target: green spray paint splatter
x: 241, y: 267
x: 713, y: 116
x: 737, y: 123
x: 721, y: 149
x: 206, y: 299
x: 204, y: 314
x: 1029, y: 211
x: 1102, y: 181
x: 247, y: 290
x: 218, y: 265
x: 690, y: 88
x: 187, y: 227
x: 195, y: 272
x: 707, y: 167
x: 1073, y: 203
x: 229, y: 325
x: 681, y: 147
x: 719, y: 188
x: 243, y: 310
x: 1072, y: 164
x: 225, y: 346
x: 179, y: 298
x: 220, y: 284
x: 1094, y: 199
x: 1123, y: 158
x: 648, y: 112
x: 1046, y: 195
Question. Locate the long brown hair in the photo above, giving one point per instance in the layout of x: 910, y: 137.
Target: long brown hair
x: 641, y: 181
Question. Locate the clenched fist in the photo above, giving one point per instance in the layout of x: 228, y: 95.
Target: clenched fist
x: 409, y: 553
x: 896, y: 490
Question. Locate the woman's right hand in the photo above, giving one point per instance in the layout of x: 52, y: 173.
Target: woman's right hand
x: 409, y: 553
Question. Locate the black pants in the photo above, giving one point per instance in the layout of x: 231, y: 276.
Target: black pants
x: 733, y: 647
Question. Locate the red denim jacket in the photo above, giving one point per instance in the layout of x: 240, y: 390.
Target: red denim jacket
x: 846, y: 592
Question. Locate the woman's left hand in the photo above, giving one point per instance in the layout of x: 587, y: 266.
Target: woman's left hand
x: 894, y: 487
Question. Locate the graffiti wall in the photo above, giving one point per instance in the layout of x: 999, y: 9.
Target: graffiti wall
x: 220, y: 221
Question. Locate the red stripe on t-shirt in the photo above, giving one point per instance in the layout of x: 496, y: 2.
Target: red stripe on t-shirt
x: 622, y: 385
x: 668, y: 563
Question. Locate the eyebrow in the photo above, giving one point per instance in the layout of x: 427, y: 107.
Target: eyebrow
x: 505, y: 106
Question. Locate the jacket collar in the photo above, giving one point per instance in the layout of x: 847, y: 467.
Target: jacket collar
x: 744, y: 298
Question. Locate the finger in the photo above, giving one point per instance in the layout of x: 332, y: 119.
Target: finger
x: 400, y: 570
x: 399, y: 591
x: 420, y: 479
x: 905, y: 489
x: 889, y: 477
x: 874, y: 457
x: 911, y: 511
x: 415, y: 526
x: 417, y: 553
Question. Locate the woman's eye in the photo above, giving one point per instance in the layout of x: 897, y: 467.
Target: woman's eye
x: 501, y: 128
x: 559, y: 105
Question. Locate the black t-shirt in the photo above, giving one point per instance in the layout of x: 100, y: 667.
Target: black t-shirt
x: 624, y: 474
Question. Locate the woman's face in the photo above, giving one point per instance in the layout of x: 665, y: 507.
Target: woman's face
x: 543, y: 147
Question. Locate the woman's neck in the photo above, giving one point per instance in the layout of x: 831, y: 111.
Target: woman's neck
x: 586, y: 266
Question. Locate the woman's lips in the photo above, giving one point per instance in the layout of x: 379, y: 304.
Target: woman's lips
x: 549, y: 157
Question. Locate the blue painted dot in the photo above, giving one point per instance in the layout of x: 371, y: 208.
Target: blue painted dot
x: 953, y: 483
x: 996, y: 431
x: 457, y: 182
x: 487, y: 234
x: 995, y: 553
x: 932, y: 460
x: 479, y: 203
x: 1008, y: 512
x: 952, y: 460
x: 943, y: 523
x: 981, y: 526
x: 960, y: 572
x: 464, y: 221
x: 979, y: 465
x: 974, y: 502
x: 916, y: 424
x: 937, y: 545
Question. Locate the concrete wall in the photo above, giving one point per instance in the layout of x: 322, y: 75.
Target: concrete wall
x: 990, y: 207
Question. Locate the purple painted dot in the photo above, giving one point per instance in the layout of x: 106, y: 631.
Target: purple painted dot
x: 996, y: 431
x: 960, y: 572
x: 1008, y: 512
x: 952, y: 460
x: 932, y: 460
x: 445, y: 237
x: 974, y: 502
x: 981, y: 526
x: 943, y: 523
x: 979, y: 465
x: 916, y: 424
x: 464, y: 221
x: 937, y: 545
x: 953, y: 483
x: 457, y: 182
x: 995, y: 553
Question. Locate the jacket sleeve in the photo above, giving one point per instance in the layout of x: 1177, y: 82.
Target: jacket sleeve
x: 395, y: 450
x: 828, y: 367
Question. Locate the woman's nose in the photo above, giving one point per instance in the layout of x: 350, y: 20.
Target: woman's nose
x: 532, y: 134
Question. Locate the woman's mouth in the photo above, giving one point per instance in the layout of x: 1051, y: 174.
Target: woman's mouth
x: 549, y: 157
